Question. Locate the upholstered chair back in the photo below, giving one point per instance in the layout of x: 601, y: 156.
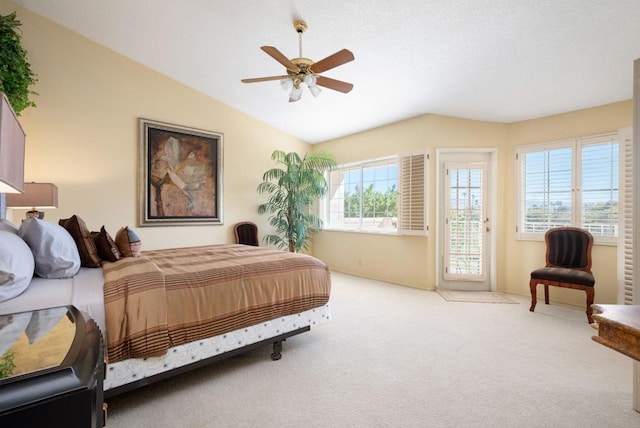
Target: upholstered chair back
x: 569, y: 247
x: 247, y: 233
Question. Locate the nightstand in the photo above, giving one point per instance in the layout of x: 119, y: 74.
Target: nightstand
x: 59, y: 369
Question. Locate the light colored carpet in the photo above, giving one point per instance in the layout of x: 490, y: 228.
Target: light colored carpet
x: 474, y: 296
x: 399, y: 357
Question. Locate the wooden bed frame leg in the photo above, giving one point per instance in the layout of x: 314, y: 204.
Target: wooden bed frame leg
x: 277, y: 350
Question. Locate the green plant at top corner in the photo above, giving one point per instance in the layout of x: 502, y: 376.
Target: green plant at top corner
x: 15, y: 71
x: 293, y: 187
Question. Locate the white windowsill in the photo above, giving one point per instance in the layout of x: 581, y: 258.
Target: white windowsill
x: 386, y: 232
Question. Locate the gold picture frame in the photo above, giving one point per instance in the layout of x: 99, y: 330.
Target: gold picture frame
x: 180, y: 179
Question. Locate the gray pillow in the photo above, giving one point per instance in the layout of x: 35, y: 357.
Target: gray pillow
x: 54, y: 250
x: 16, y: 265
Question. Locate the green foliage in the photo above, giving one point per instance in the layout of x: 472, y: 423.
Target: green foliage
x: 7, y: 365
x: 15, y: 71
x: 293, y: 187
x: 374, y: 203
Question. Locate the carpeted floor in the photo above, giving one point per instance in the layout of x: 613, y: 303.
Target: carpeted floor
x: 399, y: 357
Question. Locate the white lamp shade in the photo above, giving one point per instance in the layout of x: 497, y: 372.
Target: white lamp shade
x: 12, y: 139
x: 315, y: 90
x: 295, y: 94
x: 286, y: 83
x: 310, y: 80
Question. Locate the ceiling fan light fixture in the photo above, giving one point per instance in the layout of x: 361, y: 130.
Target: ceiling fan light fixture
x: 310, y: 80
x: 315, y: 90
x: 303, y: 70
x: 295, y: 94
x: 286, y: 83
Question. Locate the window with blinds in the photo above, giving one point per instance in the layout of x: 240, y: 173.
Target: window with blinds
x: 547, y: 200
x: 569, y: 183
x: 599, y: 186
x: 381, y: 195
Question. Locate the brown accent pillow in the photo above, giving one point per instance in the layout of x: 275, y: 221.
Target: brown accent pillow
x: 107, y: 248
x: 128, y: 242
x: 77, y: 228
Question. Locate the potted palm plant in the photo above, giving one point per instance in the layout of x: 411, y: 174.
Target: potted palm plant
x: 293, y: 186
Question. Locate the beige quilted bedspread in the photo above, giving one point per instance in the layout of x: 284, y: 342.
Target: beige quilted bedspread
x: 169, y: 297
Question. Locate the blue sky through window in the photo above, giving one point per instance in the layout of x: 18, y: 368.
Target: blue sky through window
x: 382, y: 178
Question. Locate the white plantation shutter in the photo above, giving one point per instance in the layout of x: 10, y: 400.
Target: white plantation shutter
x: 636, y: 208
x: 412, y: 213
x: 625, y: 235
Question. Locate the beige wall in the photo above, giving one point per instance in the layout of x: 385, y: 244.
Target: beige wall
x: 407, y: 260
x: 411, y: 260
x: 593, y: 121
x: 83, y: 135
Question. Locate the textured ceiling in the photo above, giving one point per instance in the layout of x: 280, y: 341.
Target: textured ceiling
x: 495, y: 60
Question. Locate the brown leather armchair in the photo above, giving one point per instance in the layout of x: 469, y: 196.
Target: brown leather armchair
x: 568, y: 265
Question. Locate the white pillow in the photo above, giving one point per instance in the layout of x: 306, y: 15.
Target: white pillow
x: 16, y: 265
x: 8, y: 226
x: 54, y: 250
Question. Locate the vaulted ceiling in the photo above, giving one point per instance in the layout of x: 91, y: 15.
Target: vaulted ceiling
x: 494, y: 60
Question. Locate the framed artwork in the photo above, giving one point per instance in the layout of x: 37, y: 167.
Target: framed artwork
x: 180, y: 178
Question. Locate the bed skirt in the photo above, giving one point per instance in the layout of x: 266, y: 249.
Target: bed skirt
x: 136, y: 370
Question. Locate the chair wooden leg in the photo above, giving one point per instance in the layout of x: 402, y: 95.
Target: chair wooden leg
x: 534, y: 298
x: 546, y: 294
x: 590, y: 295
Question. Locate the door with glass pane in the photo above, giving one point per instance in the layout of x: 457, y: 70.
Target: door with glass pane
x: 466, y: 226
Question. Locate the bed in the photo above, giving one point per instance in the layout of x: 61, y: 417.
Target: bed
x: 168, y: 311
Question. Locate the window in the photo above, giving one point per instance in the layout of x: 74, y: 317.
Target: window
x: 569, y: 183
x: 383, y: 195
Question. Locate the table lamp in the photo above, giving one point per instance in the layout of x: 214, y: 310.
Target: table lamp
x: 36, y: 196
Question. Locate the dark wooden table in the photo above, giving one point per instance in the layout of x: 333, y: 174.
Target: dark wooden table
x: 619, y: 328
x: 66, y: 393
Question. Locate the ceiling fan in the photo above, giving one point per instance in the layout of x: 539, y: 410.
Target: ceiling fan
x: 303, y: 70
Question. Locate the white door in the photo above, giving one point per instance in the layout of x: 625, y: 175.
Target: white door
x: 465, y: 222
